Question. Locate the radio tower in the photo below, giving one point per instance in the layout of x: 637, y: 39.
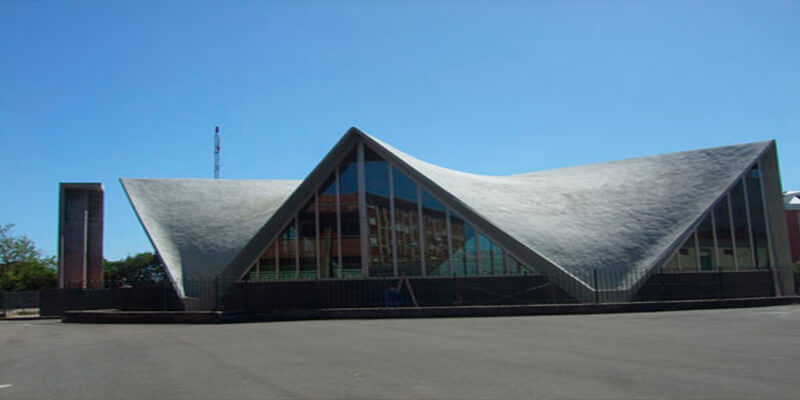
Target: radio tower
x: 216, y: 153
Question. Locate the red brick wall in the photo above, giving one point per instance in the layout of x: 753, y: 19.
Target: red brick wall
x: 793, y: 222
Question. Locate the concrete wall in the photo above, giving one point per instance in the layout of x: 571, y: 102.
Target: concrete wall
x: 778, y: 231
x: 80, y: 235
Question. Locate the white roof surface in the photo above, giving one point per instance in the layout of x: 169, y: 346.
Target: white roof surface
x: 199, y: 225
x: 621, y: 214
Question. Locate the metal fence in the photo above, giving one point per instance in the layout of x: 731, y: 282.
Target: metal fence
x: 257, y: 296
x: 19, y: 303
x: 601, y: 286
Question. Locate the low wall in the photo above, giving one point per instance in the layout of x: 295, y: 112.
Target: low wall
x: 54, y: 302
x: 707, y: 285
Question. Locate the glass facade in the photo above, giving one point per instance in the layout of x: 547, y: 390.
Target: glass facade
x: 307, y: 240
x: 485, y: 254
x: 328, y: 229
x: 725, y: 250
x: 736, y: 238
x: 379, y: 218
x: 498, y: 260
x: 287, y: 252
x: 265, y: 270
x: 687, y: 255
x: 349, y: 220
x: 465, y: 261
x: 741, y: 228
x: 671, y: 264
x: 705, y: 239
x: 410, y: 232
x: 434, y: 222
x: 406, y: 225
x: 758, y: 224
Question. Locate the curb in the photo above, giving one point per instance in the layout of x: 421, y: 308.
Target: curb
x: 220, y: 317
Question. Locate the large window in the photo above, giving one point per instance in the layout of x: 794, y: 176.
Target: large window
x: 705, y: 237
x: 307, y: 227
x: 671, y: 264
x: 328, y: 229
x: 406, y: 225
x: 379, y: 217
x: 287, y: 254
x: 687, y: 255
x: 434, y: 221
x: 407, y: 231
x: 757, y: 221
x: 465, y: 260
x: 722, y: 221
x: 741, y: 228
x: 348, y: 208
x: 265, y: 270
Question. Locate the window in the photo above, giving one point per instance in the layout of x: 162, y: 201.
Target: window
x: 307, y: 229
x: 434, y: 223
x: 464, y: 252
x: 350, y: 231
x: 376, y: 179
x: 406, y: 225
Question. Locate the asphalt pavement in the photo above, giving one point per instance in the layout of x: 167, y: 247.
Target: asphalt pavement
x: 710, y: 354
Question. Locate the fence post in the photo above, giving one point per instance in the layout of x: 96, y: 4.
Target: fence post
x: 216, y: 292
x: 596, y: 287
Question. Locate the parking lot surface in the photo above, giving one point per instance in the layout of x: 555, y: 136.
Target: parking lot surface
x: 720, y: 354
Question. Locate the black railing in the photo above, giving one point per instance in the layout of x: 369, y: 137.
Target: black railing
x: 19, y: 303
x: 258, y: 296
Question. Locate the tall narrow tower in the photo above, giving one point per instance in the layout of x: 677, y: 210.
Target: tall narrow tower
x: 216, y: 153
x: 80, y: 235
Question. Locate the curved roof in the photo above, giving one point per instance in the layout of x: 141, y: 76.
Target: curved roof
x: 197, y: 226
x: 625, y: 215
x: 621, y: 214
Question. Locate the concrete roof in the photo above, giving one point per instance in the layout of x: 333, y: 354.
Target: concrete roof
x: 624, y: 215
x: 615, y: 215
x: 199, y: 225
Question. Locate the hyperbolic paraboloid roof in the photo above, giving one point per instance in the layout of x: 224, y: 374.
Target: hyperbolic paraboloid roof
x: 198, y: 225
x: 622, y: 214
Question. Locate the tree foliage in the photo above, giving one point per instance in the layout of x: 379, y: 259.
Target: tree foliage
x: 143, y: 269
x: 22, y: 266
x: 15, y: 249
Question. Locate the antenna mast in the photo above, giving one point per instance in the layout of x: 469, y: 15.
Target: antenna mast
x: 216, y: 153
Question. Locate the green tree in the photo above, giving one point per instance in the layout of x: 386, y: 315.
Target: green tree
x: 143, y: 269
x: 22, y: 266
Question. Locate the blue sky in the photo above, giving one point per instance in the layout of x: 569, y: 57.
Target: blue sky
x: 95, y: 91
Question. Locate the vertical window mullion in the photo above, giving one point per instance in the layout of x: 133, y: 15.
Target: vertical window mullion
x: 749, y: 224
x: 697, y: 249
x: 714, y: 236
x: 296, y: 247
x: 316, y: 234
x: 449, y: 241
x: 338, y: 226
x: 478, y: 251
x: 766, y: 216
x: 362, y: 212
x: 392, y: 224
x: 421, y: 231
x: 733, y: 234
